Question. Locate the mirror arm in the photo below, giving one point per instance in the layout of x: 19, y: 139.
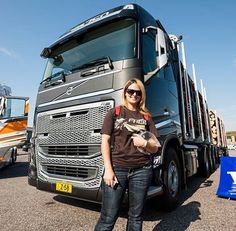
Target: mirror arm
x: 146, y: 29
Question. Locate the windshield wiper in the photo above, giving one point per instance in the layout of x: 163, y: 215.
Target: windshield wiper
x: 60, y: 78
x: 99, y: 61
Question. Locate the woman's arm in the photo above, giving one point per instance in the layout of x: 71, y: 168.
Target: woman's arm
x: 150, y: 146
x: 109, y: 175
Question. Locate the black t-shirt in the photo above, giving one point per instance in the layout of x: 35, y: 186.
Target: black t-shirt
x: 121, y: 128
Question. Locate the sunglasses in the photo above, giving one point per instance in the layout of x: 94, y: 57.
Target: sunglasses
x: 132, y: 91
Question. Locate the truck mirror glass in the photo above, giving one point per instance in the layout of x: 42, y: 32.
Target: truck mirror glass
x: 153, y: 28
x: 161, y: 48
x: 26, y: 108
x: 156, y: 45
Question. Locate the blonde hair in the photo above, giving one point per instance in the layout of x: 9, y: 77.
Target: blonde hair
x: 141, y: 105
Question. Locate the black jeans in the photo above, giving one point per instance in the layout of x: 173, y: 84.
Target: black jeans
x: 137, y: 180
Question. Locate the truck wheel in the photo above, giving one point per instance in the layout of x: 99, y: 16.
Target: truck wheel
x: 204, y: 163
x: 213, y: 156
x: 217, y: 156
x: 210, y: 159
x: 171, y: 181
x: 14, y: 156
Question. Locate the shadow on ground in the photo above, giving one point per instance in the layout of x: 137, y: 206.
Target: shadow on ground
x: 18, y: 169
x: 181, y: 218
x: 178, y: 220
x: 77, y: 203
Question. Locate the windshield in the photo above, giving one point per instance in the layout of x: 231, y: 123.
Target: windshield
x: 115, y: 40
x: 12, y: 108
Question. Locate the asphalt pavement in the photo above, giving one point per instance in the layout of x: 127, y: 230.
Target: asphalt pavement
x: 25, y: 208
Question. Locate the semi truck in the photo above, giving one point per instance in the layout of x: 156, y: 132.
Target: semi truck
x: 86, y: 70
x: 13, y: 124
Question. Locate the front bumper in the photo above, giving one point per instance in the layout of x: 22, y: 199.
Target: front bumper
x: 93, y: 195
x: 83, y: 194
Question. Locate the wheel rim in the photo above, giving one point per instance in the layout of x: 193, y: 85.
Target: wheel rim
x: 173, y: 179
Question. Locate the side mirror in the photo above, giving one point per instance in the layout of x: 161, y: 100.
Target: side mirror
x: 161, y: 49
x: 26, y: 107
x: 160, y: 40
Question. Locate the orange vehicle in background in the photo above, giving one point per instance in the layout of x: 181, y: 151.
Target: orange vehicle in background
x: 13, y: 124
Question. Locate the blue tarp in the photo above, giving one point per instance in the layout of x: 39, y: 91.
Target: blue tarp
x: 227, y: 185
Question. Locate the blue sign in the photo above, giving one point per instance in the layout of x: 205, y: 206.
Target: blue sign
x: 227, y: 185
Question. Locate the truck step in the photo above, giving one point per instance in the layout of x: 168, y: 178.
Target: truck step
x: 154, y: 191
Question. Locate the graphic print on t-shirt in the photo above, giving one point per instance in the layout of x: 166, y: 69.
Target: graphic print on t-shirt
x: 131, y: 124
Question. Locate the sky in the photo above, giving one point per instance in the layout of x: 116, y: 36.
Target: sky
x: 208, y: 28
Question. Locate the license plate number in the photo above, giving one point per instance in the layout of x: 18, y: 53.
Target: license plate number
x: 63, y: 187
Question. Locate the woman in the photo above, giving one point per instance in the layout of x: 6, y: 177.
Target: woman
x: 126, y: 165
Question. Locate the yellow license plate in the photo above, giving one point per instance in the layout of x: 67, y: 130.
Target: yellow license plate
x: 63, y: 187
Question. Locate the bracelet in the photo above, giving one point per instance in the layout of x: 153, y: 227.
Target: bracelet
x: 145, y: 144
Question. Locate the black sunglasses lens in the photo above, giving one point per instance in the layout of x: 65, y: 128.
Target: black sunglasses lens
x: 131, y: 92
x: 138, y: 93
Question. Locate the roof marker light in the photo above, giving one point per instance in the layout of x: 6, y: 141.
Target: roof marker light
x: 128, y: 7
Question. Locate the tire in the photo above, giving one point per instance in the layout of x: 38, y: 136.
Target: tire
x: 171, y: 181
x: 14, y: 156
x: 204, y: 163
x: 213, y: 156
x: 210, y: 155
x: 217, y: 156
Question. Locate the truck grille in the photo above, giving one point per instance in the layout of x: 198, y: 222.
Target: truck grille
x: 68, y: 144
x: 85, y: 173
x: 79, y: 150
x: 69, y: 171
x: 72, y: 126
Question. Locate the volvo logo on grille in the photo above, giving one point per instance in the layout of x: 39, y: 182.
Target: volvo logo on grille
x: 69, y: 90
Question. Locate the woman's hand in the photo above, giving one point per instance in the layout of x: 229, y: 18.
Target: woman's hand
x: 150, y: 146
x: 139, y: 141
x: 109, y: 177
